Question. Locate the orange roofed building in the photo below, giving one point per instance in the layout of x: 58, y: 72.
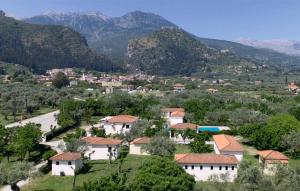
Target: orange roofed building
x: 99, y: 148
x: 227, y: 145
x: 176, y: 130
x: 203, y: 166
x: 136, y: 146
x: 118, y: 124
x: 173, y: 115
x: 65, y: 164
x: 270, y: 158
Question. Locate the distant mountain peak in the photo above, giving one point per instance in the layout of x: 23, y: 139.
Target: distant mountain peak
x: 290, y: 47
x: 96, y: 14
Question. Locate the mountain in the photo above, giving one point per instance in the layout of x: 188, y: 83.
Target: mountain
x: 108, y: 35
x: 290, y: 47
x: 40, y: 47
x: 174, y: 51
x: 264, y: 56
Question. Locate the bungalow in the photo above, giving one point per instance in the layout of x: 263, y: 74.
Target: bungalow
x: 178, y: 87
x: 173, y: 115
x: 135, y: 146
x: 65, y: 164
x: 175, y: 133
x: 118, y: 124
x: 203, y: 166
x: 270, y: 158
x: 227, y: 145
x: 293, y: 88
x: 99, y: 148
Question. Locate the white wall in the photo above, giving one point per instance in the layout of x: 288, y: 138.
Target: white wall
x: 65, y: 167
x: 179, y: 140
x: 175, y: 120
x: 117, y: 128
x: 100, y: 152
x: 136, y: 149
x: 206, y: 172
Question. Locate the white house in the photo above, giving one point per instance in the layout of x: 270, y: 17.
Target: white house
x: 135, y: 146
x: 203, y: 166
x: 99, y: 148
x: 118, y: 124
x: 173, y: 115
x: 270, y: 159
x: 65, y: 164
x: 175, y: 132
x: 178, y: 87
x: 227, y: 145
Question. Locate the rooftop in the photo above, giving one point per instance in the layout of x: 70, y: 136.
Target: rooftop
x: 172, y: 109
x: 101, y: 141
x: 178, y: 114
x: 227, y: 143
x: 193, y: 158
x: 273, y: 155
x: 141, y: 140
x: 123, y: 119
x: 66, y: 156
x: 184, y: 126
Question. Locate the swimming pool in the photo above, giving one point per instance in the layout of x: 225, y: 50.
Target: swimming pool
x: 213, y: 129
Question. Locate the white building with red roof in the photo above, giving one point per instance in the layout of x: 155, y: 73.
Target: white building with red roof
x: 99, y: 148
x: 136, y: 146
x: 227, y: 145
x: 177, y: 130
x: 270, y: 159
x: 179, y: 87
x: 173, y: 115
x: 118, y: 124
x: 65, y: 164
x: 204, y: 166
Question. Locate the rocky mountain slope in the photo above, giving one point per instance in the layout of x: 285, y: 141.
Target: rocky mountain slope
x: 41, y: 47
x: 173, y: 51
x: 108, y: 35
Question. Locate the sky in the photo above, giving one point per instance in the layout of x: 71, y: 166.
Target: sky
x: 219, y: 19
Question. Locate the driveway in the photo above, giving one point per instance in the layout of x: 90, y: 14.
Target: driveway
x: 46, y: 120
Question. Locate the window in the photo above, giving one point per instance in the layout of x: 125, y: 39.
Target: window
x: 201, y: 167
x: 232, y: 168
x: 192, y: 167
x: 109, y: 149
x: 220, y: 167
x: 57, y: 163
x: 186, y: 166
x: 127, y: 126
x: 69, y: 163
x: 226, y: 167
x: 211, y: 167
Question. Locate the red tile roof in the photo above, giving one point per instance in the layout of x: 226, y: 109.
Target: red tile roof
x: 172, y: 109
x: 178, y: 85
x: 273, y: 156
x: 66, y: 156
x: 141, y: 140
x: 193, y: 158
x: 101, y: 141
x: 123, y: 119
x: 184, y: 126
x: 177, y: 114
x: 227, y: 143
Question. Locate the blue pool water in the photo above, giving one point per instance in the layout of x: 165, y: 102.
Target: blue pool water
x: 210, y: 129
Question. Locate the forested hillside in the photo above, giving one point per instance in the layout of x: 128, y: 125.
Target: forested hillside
x: 42, y: 47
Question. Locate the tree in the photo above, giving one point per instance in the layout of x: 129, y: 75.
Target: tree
x: 291, y: 141
x: 161, y: 146
x: 295, y: 111
x: 160, y: 174
x: 11, y: 174
x: 199, y: 146
x: 60, y: 80
x: 26, y: 139
x: 104, y: 183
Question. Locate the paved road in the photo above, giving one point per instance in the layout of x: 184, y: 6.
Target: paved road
x: 45, y: 120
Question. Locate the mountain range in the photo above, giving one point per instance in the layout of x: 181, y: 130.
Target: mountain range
x: 112, y: 35
x: 41, y: 47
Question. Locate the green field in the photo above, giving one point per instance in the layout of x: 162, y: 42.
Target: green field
x: 181, y: 149
x: 98, y: 168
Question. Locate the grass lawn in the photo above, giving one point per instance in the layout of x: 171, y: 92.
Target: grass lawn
x: 98, y: 168
x: 293, y: 163
x: 180, y: 148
